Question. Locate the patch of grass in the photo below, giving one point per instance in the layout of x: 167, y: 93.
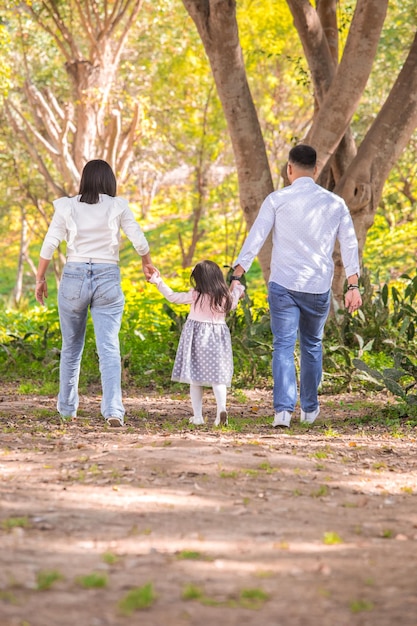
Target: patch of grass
x: 8, y: 597
x: 331, y: 538
x: 110, y: 558
x: 230, y: 474
x: 46, y: 388
x: 387, y: 533
x: 320, y: 454
x: 44, y: 413
x: 192, y: 592
x: 253, y: 598
x: 191, y: 555
x: 358, y: 606
x: 240, y: 396
x: 137, y: 599
x: 251, y: 472
x: 321, y: 492
x: 15, y: 522
x: 248, y: 598
x: 267, y: 467
x: 46, y: 578
x: 331, y: 432
x: 379, y: 465
x: 91, y: 581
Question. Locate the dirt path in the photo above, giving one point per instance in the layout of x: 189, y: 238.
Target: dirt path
x: 246, y: 525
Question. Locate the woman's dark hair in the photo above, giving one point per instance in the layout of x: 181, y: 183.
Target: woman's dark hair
x: 97, y: 178
x: 303, y: 155
x: 207, y: 278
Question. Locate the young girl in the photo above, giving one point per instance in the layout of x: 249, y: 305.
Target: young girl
x: 204, y: 355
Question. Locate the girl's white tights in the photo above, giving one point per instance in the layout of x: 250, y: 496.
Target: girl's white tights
x: 196, y: 394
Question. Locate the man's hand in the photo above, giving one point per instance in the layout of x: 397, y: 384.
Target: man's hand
x: 237, y: 271
x: 353, y: 300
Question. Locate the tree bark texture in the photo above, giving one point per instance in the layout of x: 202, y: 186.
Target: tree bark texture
x: 217, y: 25
x: 363, y: 180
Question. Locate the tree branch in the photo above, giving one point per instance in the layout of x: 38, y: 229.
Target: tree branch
x: 346, y: 89
x: 57, y: 190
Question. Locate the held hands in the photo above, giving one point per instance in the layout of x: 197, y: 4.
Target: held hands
x: 147, y: 266
x: 41, y: 290
x: 155, y: 279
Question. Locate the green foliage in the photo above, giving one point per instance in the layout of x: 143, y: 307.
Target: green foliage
x: 253, y: 598
x: 401, y: 377
x: 45, y: 579
x: 14, y: 522
x: 192, y: 592
x: 137, y: 599
x: 94, y: 580
x: 330, y: 538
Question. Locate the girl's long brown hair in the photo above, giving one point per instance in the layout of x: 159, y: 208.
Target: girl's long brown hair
x: 207, y: 278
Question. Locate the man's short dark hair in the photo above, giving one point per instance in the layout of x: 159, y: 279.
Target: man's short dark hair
x: 303, y: 155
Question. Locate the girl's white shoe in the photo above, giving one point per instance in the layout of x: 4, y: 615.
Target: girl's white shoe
x: 197, y: 421
x: 221, y: 419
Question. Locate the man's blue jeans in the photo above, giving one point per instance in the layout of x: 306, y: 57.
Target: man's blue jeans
x: 94, y: 286
x: 295, y: 313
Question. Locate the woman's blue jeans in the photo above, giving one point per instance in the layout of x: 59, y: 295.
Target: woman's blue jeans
x: 295, y: 313
x: 94, y: 286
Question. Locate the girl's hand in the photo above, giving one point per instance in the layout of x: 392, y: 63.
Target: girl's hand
x: 155, y: 278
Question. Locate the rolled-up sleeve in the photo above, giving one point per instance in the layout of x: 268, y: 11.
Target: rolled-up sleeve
x: 348, y: 245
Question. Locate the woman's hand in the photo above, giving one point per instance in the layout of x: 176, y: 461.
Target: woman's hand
x: 41, y: 290
x: 147, y: 266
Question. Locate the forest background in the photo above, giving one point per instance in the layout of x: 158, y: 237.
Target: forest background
x: 138, y: 84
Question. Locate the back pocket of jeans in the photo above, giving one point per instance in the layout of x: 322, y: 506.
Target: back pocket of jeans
x: 108, y: 289
x: 70, y: 286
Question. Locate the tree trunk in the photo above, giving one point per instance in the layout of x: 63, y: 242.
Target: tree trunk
x: 23, y: 248
x: 217, y: 26
x: 363, y: 181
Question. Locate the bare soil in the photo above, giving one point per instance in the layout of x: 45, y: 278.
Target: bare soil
x: 241, y: 525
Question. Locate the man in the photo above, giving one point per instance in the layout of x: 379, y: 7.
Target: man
x: 305, y: 220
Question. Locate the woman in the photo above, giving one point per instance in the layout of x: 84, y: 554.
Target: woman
x: 91, y: 223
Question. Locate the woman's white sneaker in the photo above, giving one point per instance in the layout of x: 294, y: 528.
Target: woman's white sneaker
x: 114, y: 422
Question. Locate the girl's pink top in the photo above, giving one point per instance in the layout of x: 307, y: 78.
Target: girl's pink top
x: 200, y: 311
